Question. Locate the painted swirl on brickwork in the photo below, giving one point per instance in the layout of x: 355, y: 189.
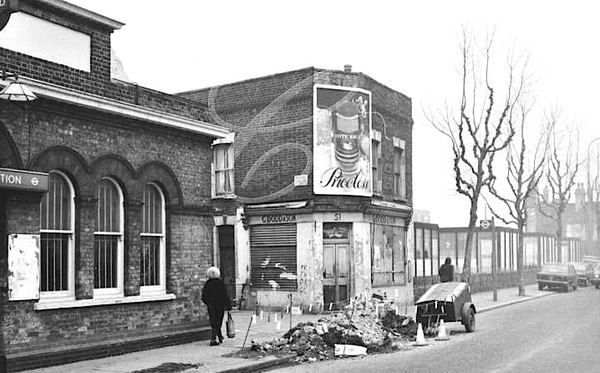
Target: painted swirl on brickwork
x: 259, y: 125
x: 343, y: 156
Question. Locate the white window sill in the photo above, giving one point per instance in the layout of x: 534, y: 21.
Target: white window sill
x: 224, y: 196
x: 53, y: 305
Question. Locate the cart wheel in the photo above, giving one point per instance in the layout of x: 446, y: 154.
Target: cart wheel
x: 468, y: 319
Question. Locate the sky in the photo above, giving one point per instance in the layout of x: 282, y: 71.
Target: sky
x: 410, y: 46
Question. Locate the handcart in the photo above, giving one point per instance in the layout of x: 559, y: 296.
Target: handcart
x: 448, y: 301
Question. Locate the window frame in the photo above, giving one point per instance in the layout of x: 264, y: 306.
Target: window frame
x: 161, y: 287
x: 399, y: 160
x: 388, y: 262
x: 228, y: 172
x: 117, y: 291
x: 376, y: 162
x: 69, y: 294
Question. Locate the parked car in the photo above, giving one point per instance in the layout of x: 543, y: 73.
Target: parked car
x: 557, y: 275
x: 585, y: 272
x: 596, y: 276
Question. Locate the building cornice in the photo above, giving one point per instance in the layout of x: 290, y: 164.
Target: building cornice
x: 83, y: 13
x: 58, y: 93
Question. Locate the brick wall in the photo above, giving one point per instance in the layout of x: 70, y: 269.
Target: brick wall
x: 272, y: 118
x: 87, y: 145
x: 98, y: 80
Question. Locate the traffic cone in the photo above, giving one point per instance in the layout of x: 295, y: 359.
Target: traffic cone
x: 442, y: 336
x: 420, y: 337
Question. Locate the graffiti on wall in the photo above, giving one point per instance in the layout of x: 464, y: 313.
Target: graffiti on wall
x: 274, y: 274
x: 303, y: 280
x: 262, y: 124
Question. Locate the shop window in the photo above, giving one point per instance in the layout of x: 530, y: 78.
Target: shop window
x: 152, y: 276
x: 419, y: 255
x: 448, y: 247
x: 427, y: 251
x: 399, y: 169
x: 461, y: 239
x: 108, y: 240
x: 387, y: 255
x: 57, y: 261
x: 485, y: 253
x: 435, y: 252
x: 223, y: 182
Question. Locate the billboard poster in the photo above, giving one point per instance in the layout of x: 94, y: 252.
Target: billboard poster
x: 342, y: 141
x: 23, y: 267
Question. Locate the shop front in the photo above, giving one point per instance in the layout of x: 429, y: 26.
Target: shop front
x: 320, y: 261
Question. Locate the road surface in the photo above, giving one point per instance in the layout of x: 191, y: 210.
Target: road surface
x: 558, y: 333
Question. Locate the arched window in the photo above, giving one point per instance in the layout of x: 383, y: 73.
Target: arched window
x: 57, y: 218
x: 153, y: 258
x: 108, y: 240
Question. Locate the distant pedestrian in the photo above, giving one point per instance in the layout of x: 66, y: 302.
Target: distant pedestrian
x: 214, y: 295
x: 446, y: 271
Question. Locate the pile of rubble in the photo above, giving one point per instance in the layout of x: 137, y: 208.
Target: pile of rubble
x: 366, y: 328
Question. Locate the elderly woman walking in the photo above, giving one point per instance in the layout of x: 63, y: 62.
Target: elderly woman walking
x: 214, y: 295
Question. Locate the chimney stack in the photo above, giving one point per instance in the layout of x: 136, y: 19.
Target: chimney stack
x: 347, y: 68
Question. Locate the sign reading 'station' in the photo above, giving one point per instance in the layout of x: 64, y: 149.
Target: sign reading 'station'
x: 23, y: 180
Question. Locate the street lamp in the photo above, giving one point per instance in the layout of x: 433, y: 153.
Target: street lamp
x: 16, y: 91
x: 588, y: 232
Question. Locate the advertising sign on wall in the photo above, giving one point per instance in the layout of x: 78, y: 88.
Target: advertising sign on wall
x: 342, y: 143
x: 23, y: 267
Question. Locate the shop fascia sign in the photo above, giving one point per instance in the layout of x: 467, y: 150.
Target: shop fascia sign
x: 23, y: 180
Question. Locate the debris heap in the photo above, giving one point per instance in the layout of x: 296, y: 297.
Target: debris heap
x: 316, y: 341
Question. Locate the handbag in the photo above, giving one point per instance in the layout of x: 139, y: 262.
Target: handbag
x: 230, y: 326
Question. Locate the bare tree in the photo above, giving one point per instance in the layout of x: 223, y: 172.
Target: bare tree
x: 561, y: 170
x: 483, y: 124
x: 524, y: 170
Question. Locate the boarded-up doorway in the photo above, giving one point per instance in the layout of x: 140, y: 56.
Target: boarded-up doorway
x: 227, y: 258
x: 336, y: 265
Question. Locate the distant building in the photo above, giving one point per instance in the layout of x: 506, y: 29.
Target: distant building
x: 421, y: 216
x: 576, y: 221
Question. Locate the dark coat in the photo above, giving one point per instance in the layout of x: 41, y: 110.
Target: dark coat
x: 446, y: 273
x: 214, y: 295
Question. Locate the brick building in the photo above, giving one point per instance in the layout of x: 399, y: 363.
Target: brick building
x: 313, y: 194
x: 574, y: 228
x: 106, y: 222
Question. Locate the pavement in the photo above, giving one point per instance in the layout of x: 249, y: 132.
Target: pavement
x: 200, y: 357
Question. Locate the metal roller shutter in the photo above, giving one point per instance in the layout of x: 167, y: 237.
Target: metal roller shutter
x: 273, y: 256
